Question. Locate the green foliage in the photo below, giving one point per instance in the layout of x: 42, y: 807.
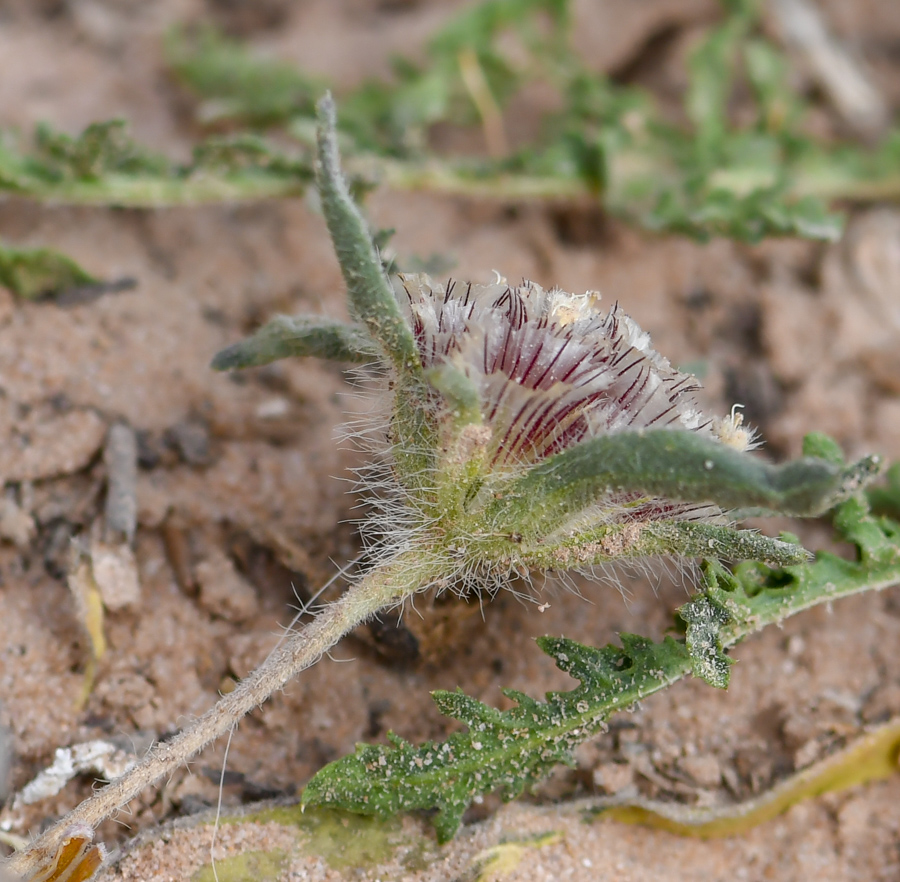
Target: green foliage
x: 461, y: 518
x: 371, y: 298
x: 302, y: 335
x: 393, y: 117
x: 388, y: 118
x: 560, y: 512
x: 551, y: 514
x: 101, y: 150
x: 506, y: 751
x: 676, y: 465
x: 885, y: 500
x: 716, y: 178
x: 104, y: 166
x: 34, y: 272
x: 502, y: 750
x: 235, y: 83
x: 707, y: 177
x: 704, y: 618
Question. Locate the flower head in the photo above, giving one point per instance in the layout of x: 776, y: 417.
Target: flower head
x: 529, y: 428
x: 550, y: 369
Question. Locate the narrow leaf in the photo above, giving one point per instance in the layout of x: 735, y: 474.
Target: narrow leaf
x: 370, y: 294
x: 302, y: 335
x: 675, y: 465
x: 680, y: 538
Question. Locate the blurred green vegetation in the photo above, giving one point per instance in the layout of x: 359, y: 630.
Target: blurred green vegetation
x: 610, y: 143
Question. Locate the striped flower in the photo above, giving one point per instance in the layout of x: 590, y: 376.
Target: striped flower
x: 550, y: 368
x: 528, y: 428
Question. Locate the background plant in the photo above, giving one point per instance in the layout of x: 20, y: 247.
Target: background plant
x: 708, y: 176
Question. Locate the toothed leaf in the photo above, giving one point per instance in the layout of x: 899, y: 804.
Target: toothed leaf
x: 705, y: 618
x: 507, y: 751
x: 502, y: 750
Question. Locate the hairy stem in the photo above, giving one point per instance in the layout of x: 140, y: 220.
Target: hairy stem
x: 382, y: 587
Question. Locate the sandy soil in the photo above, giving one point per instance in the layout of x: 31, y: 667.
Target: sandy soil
x: 238, y: 482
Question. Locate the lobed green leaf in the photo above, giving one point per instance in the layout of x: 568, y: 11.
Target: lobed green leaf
x: 105, y: 166
x: 507, y: 751
x: 502, y: 750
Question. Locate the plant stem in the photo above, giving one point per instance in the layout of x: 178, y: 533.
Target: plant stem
x: 384, y: 586
x: 162, y: 192
x: 823, y: 179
